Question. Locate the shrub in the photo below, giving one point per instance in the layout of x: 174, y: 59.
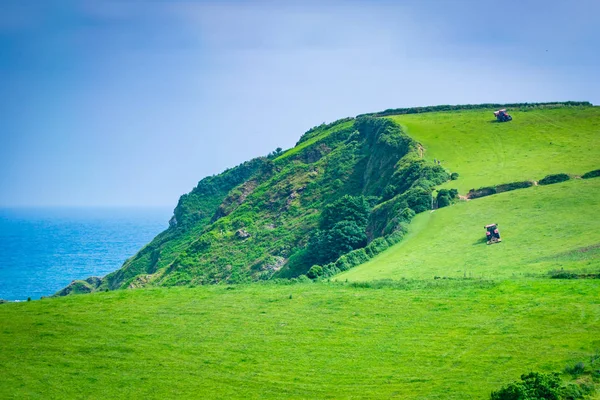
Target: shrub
x: 556, y: 178
x: 562, y: 274
x: 481, y: 192
x: 342, y: 264
x: 407, y: 214
x: 327, y: 245
x: 454, y: 176
x: 592, y: 174
x: 533, y: 386
x: 389, y: 192
x: 575, y: 370
x: 314, y: 272
x: 513, y: 186
x: 330, y: 270
x: 418, y: 199
x: 396, y: 236
x: 445, y: 197
x: 376, y: 246
x: 571, y: 392
x: 347, y: 208
x: 357, y: 257
x: 443, y: 201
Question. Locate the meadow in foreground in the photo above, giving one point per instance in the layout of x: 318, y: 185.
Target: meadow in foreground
x: 440, y: 339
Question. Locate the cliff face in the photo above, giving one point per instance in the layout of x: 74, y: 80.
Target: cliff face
x: 253, y: 222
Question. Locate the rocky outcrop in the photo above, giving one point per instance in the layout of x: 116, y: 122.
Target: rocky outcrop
x: 242, y: 234
x: 81, y: 286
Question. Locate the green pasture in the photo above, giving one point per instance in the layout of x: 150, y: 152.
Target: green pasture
x: 413, y: 340
x: 542, y: 228
x: 537, y: 142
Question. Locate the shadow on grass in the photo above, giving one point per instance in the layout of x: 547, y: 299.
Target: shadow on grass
x: 482, y: 240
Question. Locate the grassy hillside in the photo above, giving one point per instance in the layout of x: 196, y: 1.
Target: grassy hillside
x: 536, y: 143
x: 543, y: 228
x: 254, y: 222
x: 434, y: 340
x: 384, y: 329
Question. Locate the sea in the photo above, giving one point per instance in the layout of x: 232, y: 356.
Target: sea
x: 43, y: 249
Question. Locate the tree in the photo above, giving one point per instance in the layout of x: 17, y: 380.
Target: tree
x: 347, y: 208
x: 328, y: 245
x: 315, y: 271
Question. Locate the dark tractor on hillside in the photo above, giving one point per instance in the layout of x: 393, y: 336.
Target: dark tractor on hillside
x: 502, y: 115
x: 492, y: 233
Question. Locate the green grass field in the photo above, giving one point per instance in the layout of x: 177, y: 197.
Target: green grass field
x: 453, y: 340
x: 536, y: 143
x: 542, y: 228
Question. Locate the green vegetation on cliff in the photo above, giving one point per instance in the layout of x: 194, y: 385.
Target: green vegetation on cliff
x: 256, y: 221
x: 263, y: 219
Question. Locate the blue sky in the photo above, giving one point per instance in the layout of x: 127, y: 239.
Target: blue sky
x: 130, y: 103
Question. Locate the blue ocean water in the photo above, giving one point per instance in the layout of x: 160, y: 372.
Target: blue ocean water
x: 42, y: 250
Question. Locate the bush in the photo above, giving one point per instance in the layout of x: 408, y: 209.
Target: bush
x: 571, y: 392
x: 303, y: 279
x: 376, y: 246
x: 327, y: 245
x: 592, y: 174
x: 389, y: 192
x: 357, y: 257
x: 513, y: 186
x: 562, y: 274
x: 575, y: 370
x: 407, y: 214
x: 347, y: 208
x: 330, y: 270
x: 454, y: 176
x: 443, y: 201
x: 556, y: 178
x: 396, y: 236
x: 481, y: 192
x: 314, y: 272
x: 418, y: 199
x: 533, y: 386
x: 444, y: 197
x: 342, y: 264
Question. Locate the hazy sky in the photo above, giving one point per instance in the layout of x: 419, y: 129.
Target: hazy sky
x: 132, y: 102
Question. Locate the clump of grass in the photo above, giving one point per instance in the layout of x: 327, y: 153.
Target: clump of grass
x: 562, y: 274
x: 575, y: 370
x: 412, y: 284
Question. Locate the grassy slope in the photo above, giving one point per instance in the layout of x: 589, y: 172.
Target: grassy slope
x: 314, y: 139
x: 539, y: 226
x: 536, y: 143
x: 441, y: 339
x: 458, y: 340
